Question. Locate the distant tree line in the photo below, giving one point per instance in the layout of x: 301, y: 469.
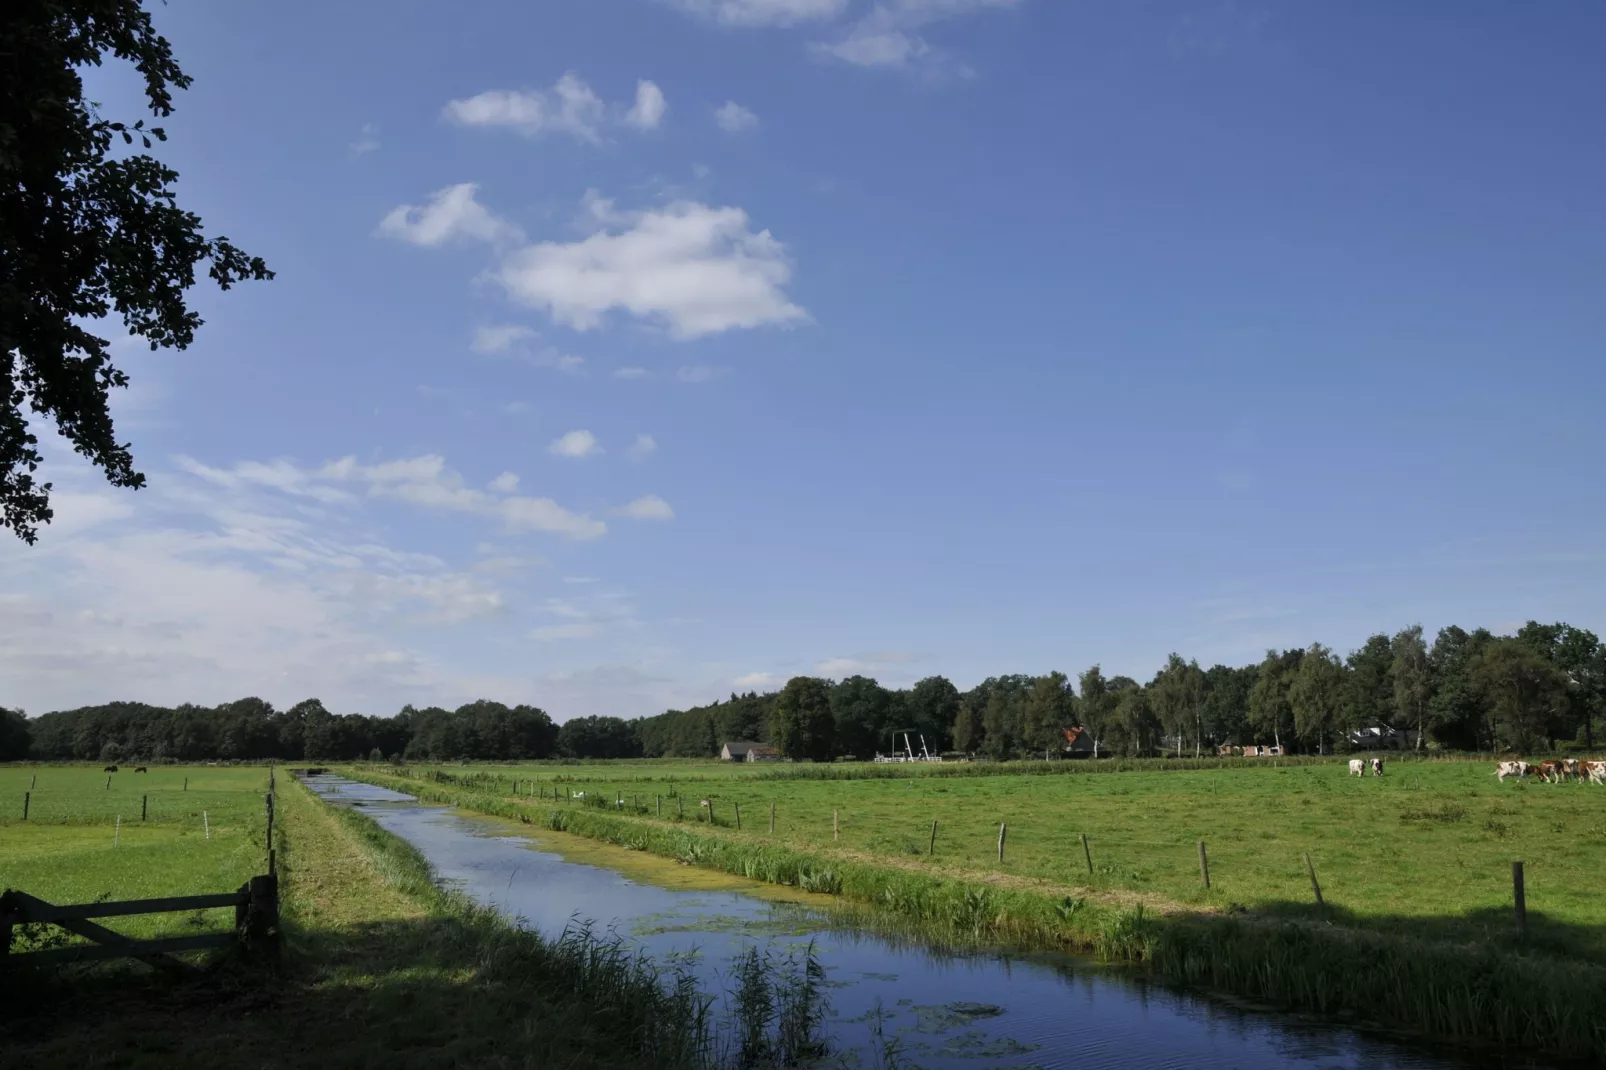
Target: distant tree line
x: 1465, y: 691
x: 250, y: 729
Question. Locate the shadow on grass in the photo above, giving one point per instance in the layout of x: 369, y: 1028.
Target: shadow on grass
x: 440, y: 991
x: 1492, y: 927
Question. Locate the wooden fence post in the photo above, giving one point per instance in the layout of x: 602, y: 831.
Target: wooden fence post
x: 33, y: 782
x: 931, y: 852
x: 186, y: 783
x: 262, y: 914
x: 1519, y: 893
x: 26, y: 797
x: 738, y: 816
x: 1087, y: 853
x: 117, y: 836
x: 772, y: 819
x: 836, y: 828
x: 206, y: 823
x: 268, y: 802
x: 680, y: 807
x: 660, y: 805
x: 1003, y: 831
x: 144, y: 803
x: 1315, y: 886
x: 108, y: 783
x: 1204, y: 865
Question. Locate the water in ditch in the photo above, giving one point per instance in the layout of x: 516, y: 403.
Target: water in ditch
x: 891, y: 1002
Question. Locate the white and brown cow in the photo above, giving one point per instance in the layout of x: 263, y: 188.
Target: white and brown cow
x: 1357, y: 767
x: 1516, y: 769
x: 1377, y: 767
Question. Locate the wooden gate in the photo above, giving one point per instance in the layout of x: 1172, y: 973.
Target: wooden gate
x: 256, y: 925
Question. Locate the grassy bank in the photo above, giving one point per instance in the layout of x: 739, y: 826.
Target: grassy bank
x: 1375, y: 842
x: 1459, y: 991
x: 380, y: 967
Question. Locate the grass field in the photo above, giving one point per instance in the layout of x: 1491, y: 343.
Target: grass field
x: 379, y: 965
x: 71, y: 848
x: 1426, y: 849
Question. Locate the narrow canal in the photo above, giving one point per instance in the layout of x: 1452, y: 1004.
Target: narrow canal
x: 891, y: 1002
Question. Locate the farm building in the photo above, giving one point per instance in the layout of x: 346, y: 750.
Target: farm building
x: 760, y: 753
x: 736, y: 751
x: 1078, y: 743
x: 1379, y: 737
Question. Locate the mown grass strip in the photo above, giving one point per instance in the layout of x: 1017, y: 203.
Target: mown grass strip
x: 1454, y: 992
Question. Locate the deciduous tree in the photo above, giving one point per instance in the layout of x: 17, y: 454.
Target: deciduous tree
x: 87, y: 229
x: 801, y: 724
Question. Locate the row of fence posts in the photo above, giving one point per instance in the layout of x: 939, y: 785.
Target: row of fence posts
x: 1518, y: 890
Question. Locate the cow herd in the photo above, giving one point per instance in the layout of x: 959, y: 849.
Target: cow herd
x: 1359, y: 766
x: 1555, y: 770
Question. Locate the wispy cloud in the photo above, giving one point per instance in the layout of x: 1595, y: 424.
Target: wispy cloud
x: 367, y: 140
x: 648, y: 111
x: 649, y: 507
x: 644, y: 446
x: 890, y: 35
x: 762, y: 12
x: 735, y: 119
x: 570, y: 107
x: 452, y: 214
x: 575, y: 444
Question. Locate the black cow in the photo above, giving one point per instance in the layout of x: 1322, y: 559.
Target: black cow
x: 139, y: 769
x: 109, y: 769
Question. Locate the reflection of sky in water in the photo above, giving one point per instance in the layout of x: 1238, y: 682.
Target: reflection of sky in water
x: 944, y: 1010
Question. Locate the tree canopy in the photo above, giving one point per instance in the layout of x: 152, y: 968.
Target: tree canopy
x: 87, y: 229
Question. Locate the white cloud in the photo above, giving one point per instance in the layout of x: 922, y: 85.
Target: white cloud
x: 575, y: 444
x: 755, y: 681
x: 551, y: 632
x: 631, y: 373
x: 642, y: 448
x: 648, y: 111
x: 762, y: 12
x: 500, y: 339
x: 423, y: 481
x: 451, y: 213
x: 863, y: 664
x: 367, y: 141
x: 506, y: 483
x: 649, y: 507
x: 734, y: 119
x: 569, y: 107
x: 696, y: 373
x: 699, y: 270
x: 888, y: 35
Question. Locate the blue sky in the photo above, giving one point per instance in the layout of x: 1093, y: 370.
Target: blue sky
x: 628, y: 352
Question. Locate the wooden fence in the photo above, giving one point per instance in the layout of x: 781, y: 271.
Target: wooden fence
x: 256, y: 926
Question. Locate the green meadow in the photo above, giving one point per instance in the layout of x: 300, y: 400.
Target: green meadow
x: 1425, y: 849
x: 83, y: 840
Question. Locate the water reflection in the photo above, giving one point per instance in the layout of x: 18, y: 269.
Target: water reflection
x: 938, y: 1008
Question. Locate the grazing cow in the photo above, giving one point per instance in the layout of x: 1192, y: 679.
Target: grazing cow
x: 1596, y: 772
x: 1516, y: 769
x: 578, y: 795
x: 1550, y: 771
x: 139, y: 768
x: 1357, y: 767
x: 1377, y: 767
x: 109, y: 769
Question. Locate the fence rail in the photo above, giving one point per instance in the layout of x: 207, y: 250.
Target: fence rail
x: 256, y: 925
